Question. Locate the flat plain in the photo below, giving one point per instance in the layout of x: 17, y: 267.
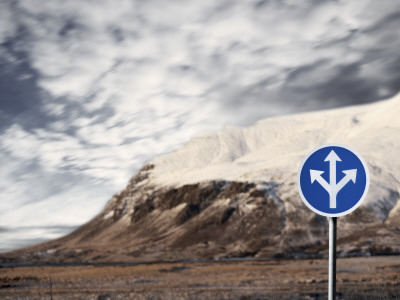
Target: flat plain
x: 357, y: 278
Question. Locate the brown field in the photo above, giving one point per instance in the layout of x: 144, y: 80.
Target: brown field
x: 357, y: 278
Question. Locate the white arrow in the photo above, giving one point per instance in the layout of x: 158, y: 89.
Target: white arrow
x: 333, y: 188
x: 316, y: 175
x: 350, y: 175
x: 332, y: 158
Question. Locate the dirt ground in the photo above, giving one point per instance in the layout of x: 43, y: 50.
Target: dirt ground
x: 357, y: 278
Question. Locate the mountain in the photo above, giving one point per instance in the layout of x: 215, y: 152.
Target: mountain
x: 234, y: 194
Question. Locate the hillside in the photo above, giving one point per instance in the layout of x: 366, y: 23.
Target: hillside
x: 233, y: 194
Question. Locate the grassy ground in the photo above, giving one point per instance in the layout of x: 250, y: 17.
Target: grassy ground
x: 357, y: 278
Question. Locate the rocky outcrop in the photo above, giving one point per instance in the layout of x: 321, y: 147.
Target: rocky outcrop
x: 209, y: 220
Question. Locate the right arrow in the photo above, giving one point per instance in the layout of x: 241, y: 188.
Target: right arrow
x: 350, y: 175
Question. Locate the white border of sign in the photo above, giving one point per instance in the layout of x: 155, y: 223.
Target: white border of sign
x: 359, y: 201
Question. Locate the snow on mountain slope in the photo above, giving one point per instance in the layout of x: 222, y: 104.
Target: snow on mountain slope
x: 272, y: 149
x: 280, y: 144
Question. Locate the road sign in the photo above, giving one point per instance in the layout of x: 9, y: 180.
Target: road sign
x: 333, y: 180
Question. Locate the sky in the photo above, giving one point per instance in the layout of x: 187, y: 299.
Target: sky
x: 92, y: 90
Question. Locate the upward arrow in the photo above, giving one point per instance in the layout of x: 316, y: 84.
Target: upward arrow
x: 332, y: 158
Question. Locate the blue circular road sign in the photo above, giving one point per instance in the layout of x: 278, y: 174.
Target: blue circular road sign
x: 333, y: 180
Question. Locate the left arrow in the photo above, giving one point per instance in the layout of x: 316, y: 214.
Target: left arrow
x: 316, y: 175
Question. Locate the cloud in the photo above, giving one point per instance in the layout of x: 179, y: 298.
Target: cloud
x: 232, y: 53
x: 93, y: 90
x: 7, y: 26
x: 17, y: 236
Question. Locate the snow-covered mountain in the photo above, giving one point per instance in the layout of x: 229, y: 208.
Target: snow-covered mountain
x: 234, y: 194
x: 272, y: 149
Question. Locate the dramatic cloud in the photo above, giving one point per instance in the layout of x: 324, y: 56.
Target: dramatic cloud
x: 91, y: 90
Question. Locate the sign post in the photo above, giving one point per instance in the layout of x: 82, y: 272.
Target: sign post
x: 333, y: 181
x: 332, y: 258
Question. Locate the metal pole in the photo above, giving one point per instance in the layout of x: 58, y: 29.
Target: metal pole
x: 332, y: 258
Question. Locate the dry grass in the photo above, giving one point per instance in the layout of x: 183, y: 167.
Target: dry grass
x: 358, y: 278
